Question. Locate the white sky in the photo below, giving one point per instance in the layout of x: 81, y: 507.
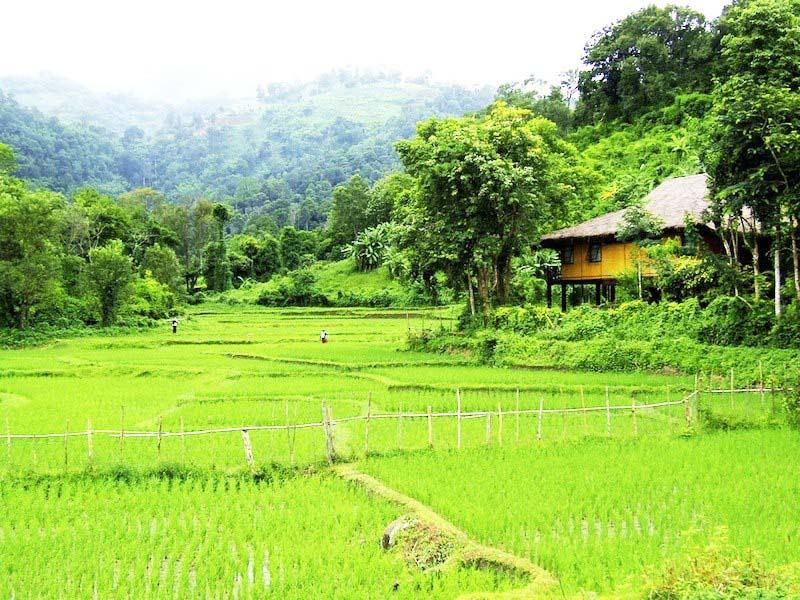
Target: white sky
x: 168, y: 48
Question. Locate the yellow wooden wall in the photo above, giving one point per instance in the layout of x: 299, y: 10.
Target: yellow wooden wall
x: 616, y: 258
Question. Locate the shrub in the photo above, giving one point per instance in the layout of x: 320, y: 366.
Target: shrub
x: 786, y: 332
x: 151, y: 298
x: 374, y: 299
x: 734, y: 321
x: 792, y: 405
x: 370, y: 246
x: 719, y: 571
x: 294, y: 289
x: 526, y: 319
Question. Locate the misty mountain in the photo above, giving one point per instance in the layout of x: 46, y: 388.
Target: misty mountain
x: 287, y: 144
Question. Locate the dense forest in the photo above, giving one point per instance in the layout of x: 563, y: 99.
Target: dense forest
x: 442, y: 189
x: 281, y: 152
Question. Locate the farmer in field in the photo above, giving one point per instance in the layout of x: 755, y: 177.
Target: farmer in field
x: 323, y: 336
x: 174, y: 324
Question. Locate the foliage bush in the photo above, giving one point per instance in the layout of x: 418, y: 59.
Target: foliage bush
x: 370, y: 246
x: 734, y: 321
x: 720, y: 571
x: 727, y: 321
x: 605, y: 353
x: 294, y: 289
x: 792, y: 404
x: 375, y: 299
x: 151, y: 298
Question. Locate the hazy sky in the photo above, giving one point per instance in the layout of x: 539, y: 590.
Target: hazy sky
x: 169, y: 48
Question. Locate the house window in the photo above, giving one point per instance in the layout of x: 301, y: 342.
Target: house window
x: 567, y: 255
x: 595, y: 252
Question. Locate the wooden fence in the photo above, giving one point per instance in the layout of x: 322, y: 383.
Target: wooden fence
x: 494, y: 419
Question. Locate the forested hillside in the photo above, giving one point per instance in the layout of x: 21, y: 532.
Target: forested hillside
x: 287, y: 146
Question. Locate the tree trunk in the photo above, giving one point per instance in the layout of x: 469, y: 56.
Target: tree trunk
x: 734, y: 257
x: 795, y: 260
x: 503, y: 277
x: 777, y: 257
x: 752, y: 245
x: 756, y: 269
x: 471, y: 296
x: 484, y: 292
x: 23, y: 316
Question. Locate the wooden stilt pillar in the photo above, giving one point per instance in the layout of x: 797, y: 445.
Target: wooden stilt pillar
x: 597, y: 294
x: 549, y: 294
x: 563, y: 297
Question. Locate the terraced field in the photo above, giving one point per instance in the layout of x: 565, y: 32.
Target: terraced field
x: 595, y: 496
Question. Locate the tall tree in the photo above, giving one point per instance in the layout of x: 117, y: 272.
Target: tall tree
x: 348, y: 215
x: 8, y: 162
x: 29, y: 249
x: 110, y: 275
x: 643, y: 61
x: 488, y: 185
x: 754, y: 157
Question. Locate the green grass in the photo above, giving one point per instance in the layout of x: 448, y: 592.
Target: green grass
x: 342, y: 276
x: 599, y: 513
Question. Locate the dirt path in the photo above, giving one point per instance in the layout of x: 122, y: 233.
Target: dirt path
x: 540, y: 582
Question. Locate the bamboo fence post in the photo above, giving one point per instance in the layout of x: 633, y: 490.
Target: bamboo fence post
x: 366, y: 424
x: 608, y: 414
x: 89, y: 443
x: 332, y: 430
x: 66, y: 446
x: 430, y: 428
x: 539, y: 420
x: 326, y: 426
x: 772, y: 396
x: 488, y: 428
x: 289, y: 434
x: 633, y: 417
x: 158, y: 440
x: 248, y: 450
x: 761, y: 383
x: 183, y: 443
x: 732, y: 388
x: 517, y: 417
x: 400, y: 427
x: 458, y: 418
x: 583, y: 407
x: 669, y: 408
x: 122, y: 436
x: 499, y: 425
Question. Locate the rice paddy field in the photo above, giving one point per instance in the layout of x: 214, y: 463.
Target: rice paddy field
x: 137, y: 501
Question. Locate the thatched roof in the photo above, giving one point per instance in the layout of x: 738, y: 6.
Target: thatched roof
x: 670, y: 202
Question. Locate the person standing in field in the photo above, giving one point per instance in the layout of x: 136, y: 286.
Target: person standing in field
x: 174, y: 325
x: 323, y: 336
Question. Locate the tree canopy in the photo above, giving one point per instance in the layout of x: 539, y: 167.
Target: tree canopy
x: 643, y: 61
x: 488, y: 186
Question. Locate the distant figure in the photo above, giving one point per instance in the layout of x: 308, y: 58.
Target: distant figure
x: 174, y: 325
x: 323, y: 336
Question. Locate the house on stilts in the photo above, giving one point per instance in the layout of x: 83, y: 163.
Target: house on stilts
x: 591, y: 254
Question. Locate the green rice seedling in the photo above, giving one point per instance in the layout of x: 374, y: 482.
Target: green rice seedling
x: 598, y: 513
x: 147, y: 536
